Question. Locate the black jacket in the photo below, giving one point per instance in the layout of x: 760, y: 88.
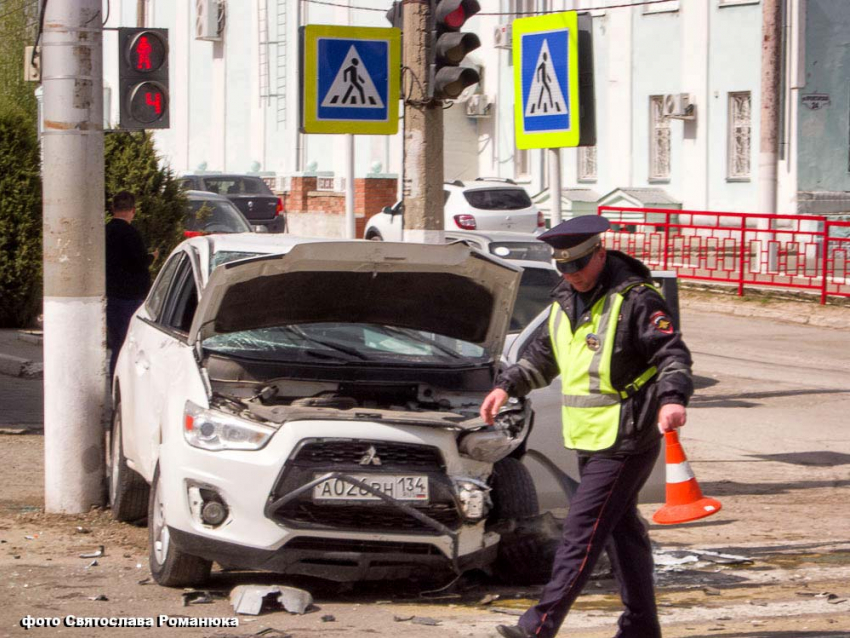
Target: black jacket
x: 645, y: 337
x: 127, y: 261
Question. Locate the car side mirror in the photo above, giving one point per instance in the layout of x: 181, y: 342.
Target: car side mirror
x: 259, y: 228
x: 388, y: 210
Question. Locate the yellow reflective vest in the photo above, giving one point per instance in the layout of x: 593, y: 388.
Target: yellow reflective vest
x: 590, y: 404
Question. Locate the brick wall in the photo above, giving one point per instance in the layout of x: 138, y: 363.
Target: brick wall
x: 322, y: 213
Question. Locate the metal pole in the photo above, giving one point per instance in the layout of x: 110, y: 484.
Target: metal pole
x: 74, y: 282
x: 770, y: 79
x: 555, y: 186
x: 423, y: 133
x: 350, y: 226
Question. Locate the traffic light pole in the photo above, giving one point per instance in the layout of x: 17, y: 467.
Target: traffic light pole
x: 423, y: 132
x: 74, y: 283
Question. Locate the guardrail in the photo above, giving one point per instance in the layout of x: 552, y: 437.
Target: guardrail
x: 803, y: 252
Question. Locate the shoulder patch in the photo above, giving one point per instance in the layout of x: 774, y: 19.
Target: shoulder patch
x: 662, y: 322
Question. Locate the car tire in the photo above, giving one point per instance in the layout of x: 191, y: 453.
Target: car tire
x: 170, y: 566
x: 127, y: 491
x: 524, y: 554
x: 374, y: 235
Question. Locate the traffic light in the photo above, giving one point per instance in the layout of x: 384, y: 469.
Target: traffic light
x: 143, y: 78
x: 450, y: 46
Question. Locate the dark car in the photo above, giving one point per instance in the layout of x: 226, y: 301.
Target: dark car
x: 250, y: 194
x: 210, y: 213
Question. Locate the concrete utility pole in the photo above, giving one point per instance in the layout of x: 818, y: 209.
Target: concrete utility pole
x: 770, y: 76
x: 423, y: 133
x: 74, y: 348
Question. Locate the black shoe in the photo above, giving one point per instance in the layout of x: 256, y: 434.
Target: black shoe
x: 513, y: 631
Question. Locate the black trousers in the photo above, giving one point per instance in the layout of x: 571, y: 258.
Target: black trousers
x: 603, y: 511
x: 119, y: 312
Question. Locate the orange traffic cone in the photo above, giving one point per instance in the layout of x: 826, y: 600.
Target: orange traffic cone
x: 685, y: 501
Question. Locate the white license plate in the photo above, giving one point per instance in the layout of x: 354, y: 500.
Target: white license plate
x: 404, y: 487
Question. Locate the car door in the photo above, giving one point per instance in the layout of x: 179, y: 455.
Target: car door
x: 163, y: 361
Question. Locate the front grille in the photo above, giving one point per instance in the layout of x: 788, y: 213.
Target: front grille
x: 309, y: 544
x: 330, y: 454
x: 368, y: 517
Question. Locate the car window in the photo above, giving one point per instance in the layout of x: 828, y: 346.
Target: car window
x: 182, y: 300
x: 235, y: 185
x: 498, y: 198
x: 531, y: 250
x: 225, y: 256
x: 334, y: 342
x: 210, y: 216
x: 187, y: 184
x: 160, y: 286
x: 533, y: 296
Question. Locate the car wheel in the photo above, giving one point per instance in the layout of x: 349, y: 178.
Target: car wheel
x: 525, y: 550
x: 374, y: 235
x: 170, y: 566
x: 127, y: 491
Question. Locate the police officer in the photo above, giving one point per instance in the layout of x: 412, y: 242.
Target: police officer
x: 626, y: 378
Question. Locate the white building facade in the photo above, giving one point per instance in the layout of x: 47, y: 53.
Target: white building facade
x: 235, y: 97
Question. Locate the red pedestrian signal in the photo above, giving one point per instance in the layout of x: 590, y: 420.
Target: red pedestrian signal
x: 143, y: 78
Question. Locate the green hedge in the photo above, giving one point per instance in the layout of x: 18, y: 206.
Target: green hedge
x: 131, y: 163
x: 20, y: 220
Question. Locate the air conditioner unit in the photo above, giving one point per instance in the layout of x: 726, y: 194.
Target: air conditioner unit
x: 679, y: 106
x: 207, y: 20
x: 478, y: 105
x: 503, y: 36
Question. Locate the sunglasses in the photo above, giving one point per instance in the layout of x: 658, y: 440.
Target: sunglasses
x: 571, y: 267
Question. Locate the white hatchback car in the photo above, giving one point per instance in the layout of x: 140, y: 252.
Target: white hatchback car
x: 485, y: 204
x: 311, y: 407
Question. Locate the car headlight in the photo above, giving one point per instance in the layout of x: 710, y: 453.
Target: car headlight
x: 214, y: 430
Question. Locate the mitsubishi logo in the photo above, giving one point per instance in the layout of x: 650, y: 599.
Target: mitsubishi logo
x: 371, y: 457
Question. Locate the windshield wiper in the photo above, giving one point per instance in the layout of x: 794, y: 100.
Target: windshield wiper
x: 326, y: 344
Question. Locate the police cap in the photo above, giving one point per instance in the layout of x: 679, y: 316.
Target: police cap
x: 576, y: 237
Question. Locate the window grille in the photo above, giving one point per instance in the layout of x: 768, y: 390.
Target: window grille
x: 659, y: 140
x: 587, y: 163
x: 740, y: 127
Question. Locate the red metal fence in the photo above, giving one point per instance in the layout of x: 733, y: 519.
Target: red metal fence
x: 803, y: 252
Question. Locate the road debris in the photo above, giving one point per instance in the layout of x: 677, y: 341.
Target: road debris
x: 95, y: 554
x: 489, y: 598
x: 101, y: 597
x: 252, y: 599
x: 506, y: 610
x: 675, y: 560
x: 197, y: 597
x: 82, y: 530
x: 94, y: 563
x: 328, y: 618
x: 402, y: 618
x: 424, y: 620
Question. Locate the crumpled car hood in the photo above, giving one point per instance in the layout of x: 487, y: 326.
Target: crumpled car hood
x: 451, y: 290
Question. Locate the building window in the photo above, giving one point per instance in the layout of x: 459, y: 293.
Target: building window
x: 587, y: 163
x: 659, y: 139
x: 740, y: 127
x: 661, y: 7
x: 522, y: 164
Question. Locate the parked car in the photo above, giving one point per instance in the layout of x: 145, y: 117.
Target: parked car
x: 210, y: 213
x: 504, y: 244
x: 250, y: 194
x: 484, y: 204
x: 292, y: 405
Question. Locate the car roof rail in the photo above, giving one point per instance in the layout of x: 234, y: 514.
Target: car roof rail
x: 455, y: 182
x: 505, y: 180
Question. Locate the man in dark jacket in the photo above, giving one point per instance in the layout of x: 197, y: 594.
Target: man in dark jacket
x: 626, y: 378
x: 127, y: 275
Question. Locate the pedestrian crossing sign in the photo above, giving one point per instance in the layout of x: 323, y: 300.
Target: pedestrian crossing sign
x: 546, y: 89
x: 350, y: 79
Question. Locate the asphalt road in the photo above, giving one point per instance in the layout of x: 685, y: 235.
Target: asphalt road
x: 767, y: 435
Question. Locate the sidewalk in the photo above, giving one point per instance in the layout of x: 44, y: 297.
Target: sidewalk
x: 21, y: 385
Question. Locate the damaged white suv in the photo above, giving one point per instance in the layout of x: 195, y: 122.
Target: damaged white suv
x: 311, y: 407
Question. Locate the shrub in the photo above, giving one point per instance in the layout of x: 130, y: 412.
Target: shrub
x: 131, y: 163
x: 20, y: 219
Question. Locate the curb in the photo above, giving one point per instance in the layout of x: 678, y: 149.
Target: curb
x: 18, y: 367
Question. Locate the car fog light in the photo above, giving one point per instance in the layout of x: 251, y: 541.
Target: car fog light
x: 207, y: 505
x: 474, y: 499
x: 214, y: 513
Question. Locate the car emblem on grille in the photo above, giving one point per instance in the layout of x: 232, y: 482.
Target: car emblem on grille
x: 371, y: 457
x: 250, y: 204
